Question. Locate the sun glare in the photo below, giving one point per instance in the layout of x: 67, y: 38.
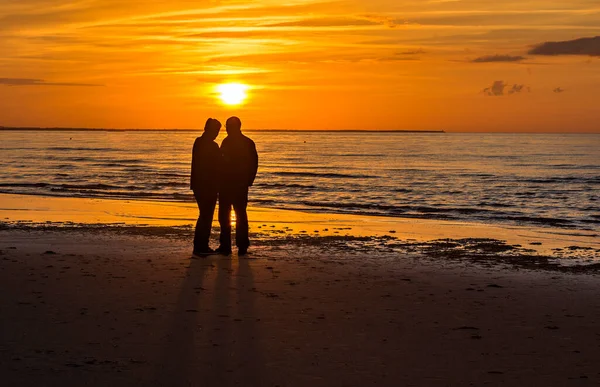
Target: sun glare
x: 232, y: 93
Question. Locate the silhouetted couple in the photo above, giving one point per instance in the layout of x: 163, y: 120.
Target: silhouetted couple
x: 226, y: 173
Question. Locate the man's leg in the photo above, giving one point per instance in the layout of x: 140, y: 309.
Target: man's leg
x: 225, y: 221
x: 240, y: 203
x: 206, y: 205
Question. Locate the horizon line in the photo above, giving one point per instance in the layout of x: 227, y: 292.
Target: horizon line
x: 59, y: 129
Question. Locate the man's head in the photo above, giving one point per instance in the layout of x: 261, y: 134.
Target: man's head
x: 212, y: 128
x: 233, y: 125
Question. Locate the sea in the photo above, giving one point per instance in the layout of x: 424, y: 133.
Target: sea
x: 547, y: 180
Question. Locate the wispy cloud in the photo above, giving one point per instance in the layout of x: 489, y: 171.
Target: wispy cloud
x: 412, y: 52
x: 582, y: 46
x: 498, y: 58
x: 501, y: 88
x: 40, y: 82
x: 328, y: 22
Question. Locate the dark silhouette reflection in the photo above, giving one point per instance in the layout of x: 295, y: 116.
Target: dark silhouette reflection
x: 239, y: 165
x: 231, y: 341
x: 251, y: 359
x: 213, y: 365
x: 204, y: 182
x: 214, y: 339
x: 178, y: 356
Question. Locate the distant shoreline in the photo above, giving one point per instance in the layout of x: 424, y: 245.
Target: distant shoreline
x: 199, y: 129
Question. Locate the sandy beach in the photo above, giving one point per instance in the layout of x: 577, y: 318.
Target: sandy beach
x: 123, y: 304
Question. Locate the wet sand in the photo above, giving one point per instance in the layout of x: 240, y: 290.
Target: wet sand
x: 30, y: 209
x: 107, y: 309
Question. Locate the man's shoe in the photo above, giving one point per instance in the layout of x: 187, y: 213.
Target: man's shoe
x: 223, y: 251
x: 242, y: 251
x: 202, y: 253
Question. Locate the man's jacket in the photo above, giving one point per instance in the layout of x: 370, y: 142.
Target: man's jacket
x: 239, y: 162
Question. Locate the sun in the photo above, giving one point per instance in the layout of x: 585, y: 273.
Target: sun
x: 232, y: 93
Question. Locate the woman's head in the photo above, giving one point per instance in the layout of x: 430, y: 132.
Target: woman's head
x: 212, y: 127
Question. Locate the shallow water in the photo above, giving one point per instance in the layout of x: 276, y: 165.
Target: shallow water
x: 542, y: 179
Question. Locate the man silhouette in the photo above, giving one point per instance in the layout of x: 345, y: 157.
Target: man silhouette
x: 239, y: 164
x: 204, y: 181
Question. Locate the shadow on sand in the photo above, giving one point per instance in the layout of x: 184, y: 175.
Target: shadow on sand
x: 213, y: 341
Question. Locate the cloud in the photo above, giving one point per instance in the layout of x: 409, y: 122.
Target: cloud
x: 559, y: 90
x: 328, y: 22
x: 516, y: 89
x: 498, y: 89
x: 410, y: 55
x: 498, y: 58
x: 40, y: 82
x: 387, y: 21
x: 583, y: 46
x: 413, y: 52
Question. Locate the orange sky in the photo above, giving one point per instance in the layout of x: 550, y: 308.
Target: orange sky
x: 355, y: 64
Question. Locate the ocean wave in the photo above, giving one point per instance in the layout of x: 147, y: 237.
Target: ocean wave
x: 496, y: 205
x: 284, y: 185
x: 66, y: 166
x: 173, y: 174
x: 79, y: 149
x: 590, y: 221
x: 65, y: 187
x: 118, y: 164
x: 394, y: 209
x: 69, y: 158
x: 99, y: 186
x: 135, y: 171
x: 323, y: 175
x: 184, y: 183
x: 410, y: 170
x: 441, y: 212
x: 547, y: 221
x: 354, y: 155
x: 565, y: 179
x: 479, y: 175
x: 25, y: 185
x: 503, y: 157
x: 580, y: 167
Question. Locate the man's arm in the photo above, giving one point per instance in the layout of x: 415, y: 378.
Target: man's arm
x: 253, y: 163
x: 192, y: 172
